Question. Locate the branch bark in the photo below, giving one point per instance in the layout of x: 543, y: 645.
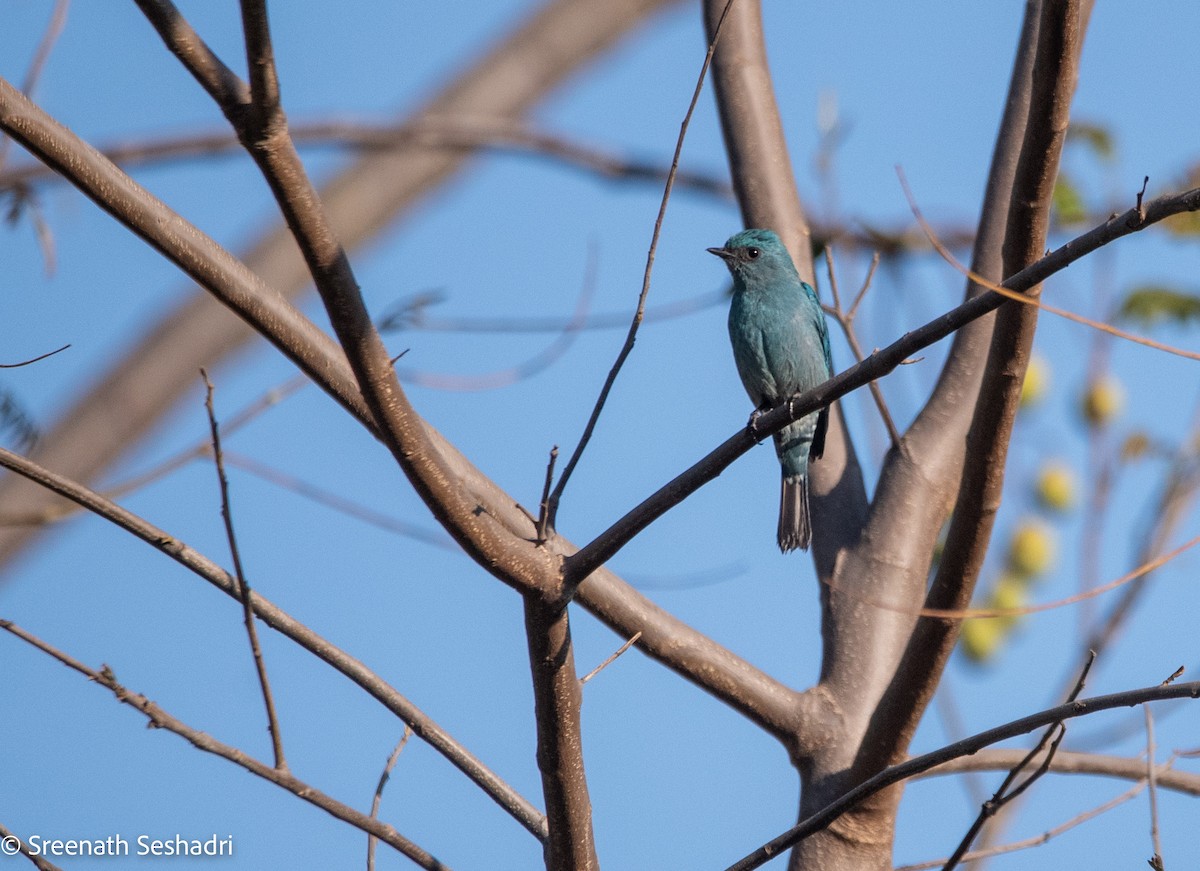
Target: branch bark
x: 557, y: 697
x: 258, y: 118
x: 126, y: 401
x: 667, y: 639
x: 766, y: 191
x: 1054, y: 73
x: 967, y: 746
x: 424, y: 726
x: 1071, y: 762
x: 280, y: 776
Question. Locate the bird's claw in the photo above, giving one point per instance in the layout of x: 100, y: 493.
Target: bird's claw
x: 752, y: 423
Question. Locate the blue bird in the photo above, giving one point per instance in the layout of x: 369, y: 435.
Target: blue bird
x: 781, y: 347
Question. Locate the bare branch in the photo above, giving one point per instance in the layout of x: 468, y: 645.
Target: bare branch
x: 243, y: 584
x: 1053, y: 76
x: 610, y: 659
x: 336, y: 502
x: 221, y: 83
x: 1007, y: 791
x: 845, y: 320
x: 1036, y: 840
x: 263, y: 130
x: 378, y: 797
x: 631, y: 336
x: 557, y: 38
x: 54, y: 28
x: 918, y: 764
x: 1068, y: 762
x: 260, y: 59
x: 38, y: 862
x: 279, y: 620
x: 557, y: 697
x: 33, y: 360
x: 1152, y: 771
x: 160, y: 719
x: 880, y: 363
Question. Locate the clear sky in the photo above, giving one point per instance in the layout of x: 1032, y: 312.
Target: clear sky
x: 678, y: 781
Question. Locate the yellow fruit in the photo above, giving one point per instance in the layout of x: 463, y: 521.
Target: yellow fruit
x: 1056, y: 486
x: 1031, y: 550
x: 1037, y: 378
x: 982, y: 636
x: 1011, y: 591
x: 1103, y: 401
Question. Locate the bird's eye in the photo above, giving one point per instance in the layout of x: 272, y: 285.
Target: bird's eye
x: 753, y: 253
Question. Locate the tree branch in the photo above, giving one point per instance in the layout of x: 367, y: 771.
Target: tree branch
x: 37, y: 861
x: 551, y: 511
x: 919, y: 764
x: 425, y: 728
x: 554, y: 42
x: 880, y: 363
x: 1072, y: 762
x: 766, y: 191
x: 243, y: 585
x: 557, y: 697
x: 160, y: 719
x: 625, y: 610
x: 262, y: 128
x: 1054, y: 72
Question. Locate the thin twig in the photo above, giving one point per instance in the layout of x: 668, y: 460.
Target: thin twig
x: 59, y: 510
x: 410, y: 313
x: 544, y: 502
x: 846, y: 322
x: 1036, y: 840
x: 866, y: 285
x: 610, y: 541
x: 1036, y: 302
x: 1007, y: 792
x: 34, y: 359
x: 384, y: 776
x: 612, y: 658
x: 243, y: 585
x: 160, y: 719
x: 425, y: 727
x: 631, y: 337
x: 1152, y: 781
x: 896, y: 773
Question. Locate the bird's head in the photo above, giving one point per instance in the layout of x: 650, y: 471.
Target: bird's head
x: 756, y: 255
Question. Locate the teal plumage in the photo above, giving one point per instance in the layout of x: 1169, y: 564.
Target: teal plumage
x: 781, y: 347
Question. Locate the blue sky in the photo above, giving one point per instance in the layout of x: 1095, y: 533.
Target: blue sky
x: 678, y: 781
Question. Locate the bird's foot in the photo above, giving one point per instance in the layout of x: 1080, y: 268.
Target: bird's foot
x: 752, y: 423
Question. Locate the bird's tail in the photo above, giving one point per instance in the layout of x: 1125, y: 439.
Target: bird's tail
x: 794, y: 529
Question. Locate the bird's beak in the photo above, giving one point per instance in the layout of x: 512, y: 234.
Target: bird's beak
x: 724, y: 253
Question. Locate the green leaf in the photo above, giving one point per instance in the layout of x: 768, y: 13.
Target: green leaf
x: 1068, y: 202
x: 1150, y: 304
